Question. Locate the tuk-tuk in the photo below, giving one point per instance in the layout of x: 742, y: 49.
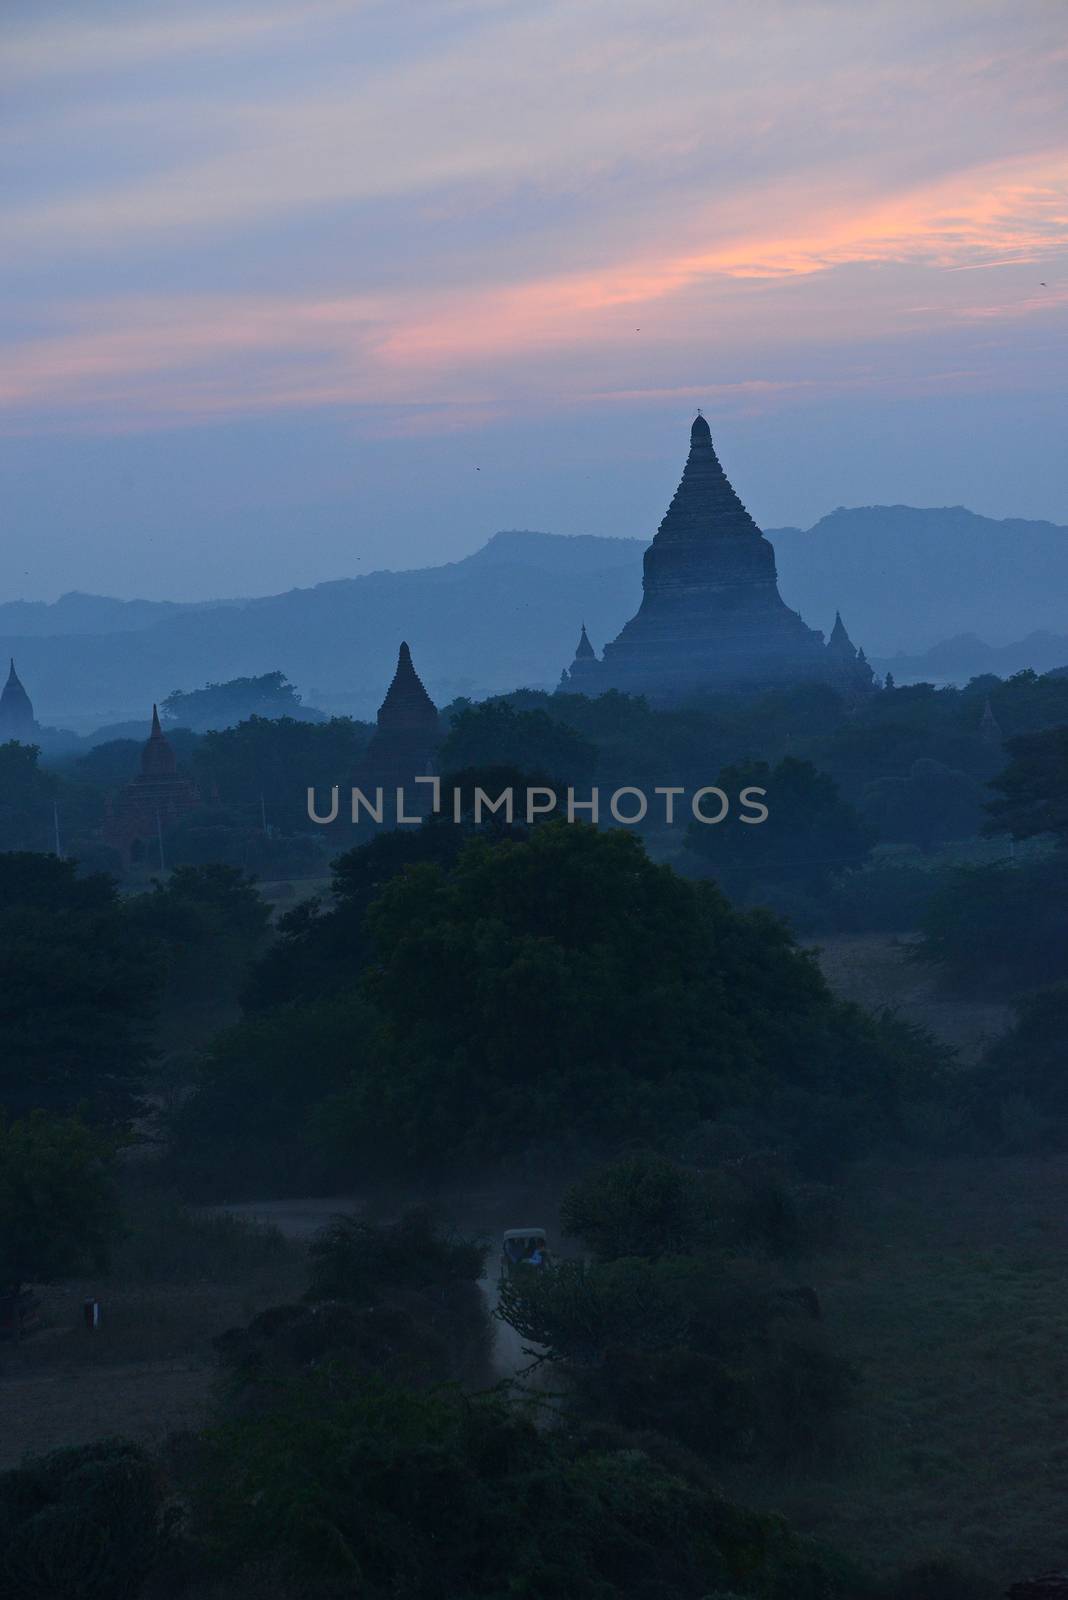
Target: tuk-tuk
x: 19, y: 1314
x: 524, y: 1248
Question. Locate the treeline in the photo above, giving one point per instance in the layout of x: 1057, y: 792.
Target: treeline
x: 470, y: 1003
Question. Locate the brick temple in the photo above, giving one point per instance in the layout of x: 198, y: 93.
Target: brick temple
x: 711, y: 616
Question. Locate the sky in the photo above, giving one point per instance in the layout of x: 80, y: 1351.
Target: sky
x: 295, y: 291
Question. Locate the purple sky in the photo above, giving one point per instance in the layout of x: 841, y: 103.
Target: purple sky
x: 291, y: 291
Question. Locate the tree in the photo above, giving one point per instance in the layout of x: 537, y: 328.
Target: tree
x: 1003, y: 925
x: 496, y: 734
x: 245, y: 1128
x: 83, y: 1523
x: 643, y: 1205
x: 351, y: 1483
x: 1033, y: 789
x: 26, y: 798
x: 80, y: 984
x: 562, y: 991
x: 221, y: 705
x: 929, y: 805
x: 57, y: 1199
x: 1029, y: 1060
x: 353, y: 1259
x: 810, y: 832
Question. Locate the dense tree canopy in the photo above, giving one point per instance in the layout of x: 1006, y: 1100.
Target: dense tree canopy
x: 565, y: 987
x: 809, y: 832
x: 495, y: 733
x: 1032, y: 792
x: 221, y: 705
x: 79, y: 989
x: 58, y: 1207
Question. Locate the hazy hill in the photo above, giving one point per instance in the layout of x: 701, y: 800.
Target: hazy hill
x: 92, y: 613
x: 509, y: 614
x: 905, y: 578
x: 966, y: 656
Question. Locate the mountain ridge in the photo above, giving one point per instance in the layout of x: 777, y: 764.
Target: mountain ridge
x: 508, y: 614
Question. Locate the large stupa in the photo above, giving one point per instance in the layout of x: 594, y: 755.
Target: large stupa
x: 711, y: 615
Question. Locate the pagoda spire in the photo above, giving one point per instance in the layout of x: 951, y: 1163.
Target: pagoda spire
x: 584, y: 650
x: 840, y: 643
x: 16, y: 712
x: 158, y: 759
x: 407, y: 703
x: 705, y: 504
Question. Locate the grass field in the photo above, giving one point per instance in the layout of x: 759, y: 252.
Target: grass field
x: 949, y: 1290
x: 873, y: 970
x: 178, y: 1280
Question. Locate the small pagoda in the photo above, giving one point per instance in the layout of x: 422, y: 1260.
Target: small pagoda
x: 17, y: 720
x: 151, y: 802
x: 405, y: 741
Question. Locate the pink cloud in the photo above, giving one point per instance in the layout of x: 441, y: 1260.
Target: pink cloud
x: 439, y: 348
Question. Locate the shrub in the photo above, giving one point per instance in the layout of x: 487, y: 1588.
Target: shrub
x: 643, y: 1205
x: 577, y: 1311
x: 162, y: 1241
x: 348, y: 1486
x: 80, y: 1524
x: 1021, y: 1087
x: 57, y: 1199
x: 353, y: 1259
x: 1003, y: 926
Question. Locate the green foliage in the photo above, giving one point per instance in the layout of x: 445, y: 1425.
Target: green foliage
x: 360, y: 1486
x: 57, y: 1199
x: 888, y: 894
x: 1004, y: 925
x: 809, y: 834
x: 417, y: 1338
x: 243, y: 1129
x: 80, y: 987
x: 162, y: 1241
x: 398, y: 1301
x: 1033, y: 789
x: 927, y: 805
x: 579, y: 1311
x: 208, y: 921
x: 26, y: 797
x: 352, y: 1258
x: 495, y: 733
x: 219, y: 705
x: 80, y: 1524
x: 565, y: 983
x: 321, y: 950
x: 643, y: 1205
x: 708, y: 1353
x: 1029, y: 1063
x: 278, y: 761
x: 234, y: 835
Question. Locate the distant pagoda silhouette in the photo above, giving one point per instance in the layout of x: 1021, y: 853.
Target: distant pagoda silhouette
x: 711, y: 615
x: 17, y: 720
x: 150, y: 803
x: 405, y: 741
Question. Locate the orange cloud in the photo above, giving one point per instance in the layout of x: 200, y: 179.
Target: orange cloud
x: 219, y: 356
x: 993, y: 210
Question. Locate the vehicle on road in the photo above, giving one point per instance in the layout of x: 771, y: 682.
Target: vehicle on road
x: 523, y: 1249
